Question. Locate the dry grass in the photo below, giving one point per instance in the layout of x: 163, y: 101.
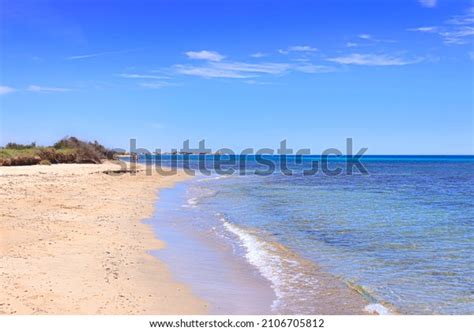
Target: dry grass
x: 67, y: 150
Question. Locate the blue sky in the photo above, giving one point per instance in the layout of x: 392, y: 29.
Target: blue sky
x: 396, y: 76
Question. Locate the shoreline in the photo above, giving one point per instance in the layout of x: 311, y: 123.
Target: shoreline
x: 73, y: 242
x: 228, y: 260
x: 54, y: 216
x: 199, y: 258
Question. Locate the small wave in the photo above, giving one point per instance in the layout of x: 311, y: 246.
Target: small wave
x: 191, y: 202
x: 295, y: 281
x: 373, y: 307
x: 213, y: 178
x: 377, y: 308
x: 257, y: 254
x: 197, y: 194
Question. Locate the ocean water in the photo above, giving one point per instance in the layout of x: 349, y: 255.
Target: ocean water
x: 401, y: 237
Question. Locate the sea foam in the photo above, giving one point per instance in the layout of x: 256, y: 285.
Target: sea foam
x: 257, y: 254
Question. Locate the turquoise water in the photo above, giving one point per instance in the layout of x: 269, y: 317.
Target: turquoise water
x: 404, y: 233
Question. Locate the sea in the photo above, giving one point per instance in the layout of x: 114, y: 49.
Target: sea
x: 397, y: 238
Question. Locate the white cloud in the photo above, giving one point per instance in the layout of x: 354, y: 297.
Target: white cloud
x: 458, y: 36
x: 424, y: 29
x: 258, y: 55
x: 373, y: 60
x: 369, y: 37
x: 298, y: 48
x: 209, y: 72
x: 233, y: 69
x: 349, y: 44
x: 365, y: 36
x: 205, y: 55
x: 457, y: 30
x: 256, y: 82
x: 263, y: 68
x: 6, y: 89
x: 140, y: 76
x: 249, y: 71
x: 314, y: 69
x: 36, y: 88
x: 428, y: 3
x: 302, y: 49
x: 466, y: 19
x: 86, y: 56
x: 156, y: 85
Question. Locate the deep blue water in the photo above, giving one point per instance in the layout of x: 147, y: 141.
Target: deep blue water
x: 404, y: 232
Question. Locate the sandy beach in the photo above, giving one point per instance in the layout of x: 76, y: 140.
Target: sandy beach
x: 72, y: 242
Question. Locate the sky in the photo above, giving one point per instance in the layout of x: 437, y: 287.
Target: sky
x: 396, y: 76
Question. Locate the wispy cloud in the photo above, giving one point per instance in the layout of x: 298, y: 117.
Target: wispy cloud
x: 85, y: 56
x: 250, y: 72
x: 465, y: 19
x: 149, y: 81
x: 461, y: 28
x: 349, y: 44
x: 373, y: 60
x: 156, y: 85
x: 6, y: 89
x: 142, y: 76
x: 232, y: 69
x: 37, y: 88
x: 256, y: 82
x: 91, y: 55
x: 314, y: 69
x: 458, y: 36
x: 365, y: 36
x: 298, y: 48
x: 432, y: 29
x: 209, y: 72
x: 428, y: 3
x: 302, y: 49
x: 458, y: 30
x: 261, y: 68
x: 244, y: 70
x: 205, y: 55
x: 258, y: 55
x: 371, y: 38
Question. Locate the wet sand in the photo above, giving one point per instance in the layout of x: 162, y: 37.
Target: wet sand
x: 244, y: 271
x: 210, y: 266
x: 72, y: 242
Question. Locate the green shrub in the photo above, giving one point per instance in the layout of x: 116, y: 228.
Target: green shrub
x: 20, y: 146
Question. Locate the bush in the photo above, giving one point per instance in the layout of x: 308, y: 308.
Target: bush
x: 67, y: 142
x: 86, y: 152
x: 20, y: 146
x: 5, y: 162
x: 45, y: 162
x: 66, y: 150
x: 57, y: 156
x: 25, y: 160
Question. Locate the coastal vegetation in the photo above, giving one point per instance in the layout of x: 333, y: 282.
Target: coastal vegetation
x: 66, y: 150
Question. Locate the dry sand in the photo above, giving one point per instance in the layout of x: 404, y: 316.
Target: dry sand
x: 71, y: 242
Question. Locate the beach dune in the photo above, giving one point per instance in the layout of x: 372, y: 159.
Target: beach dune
x: 72, y: 242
